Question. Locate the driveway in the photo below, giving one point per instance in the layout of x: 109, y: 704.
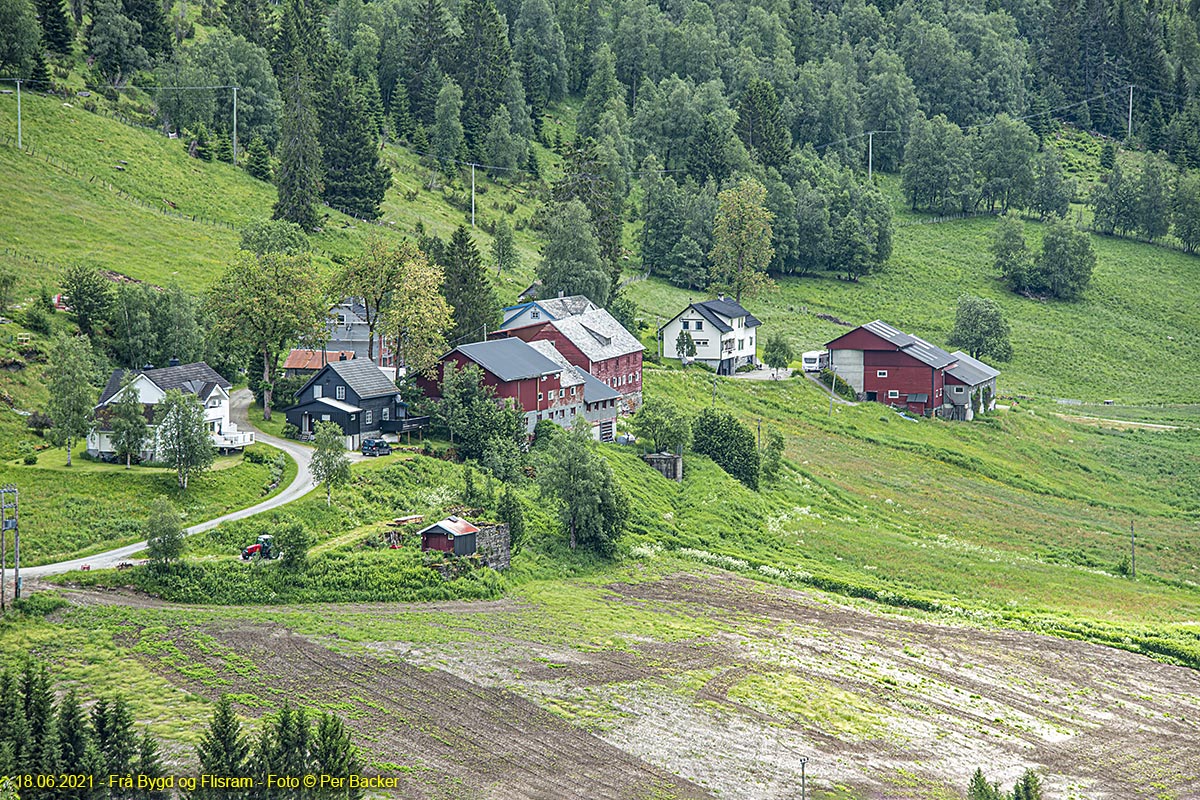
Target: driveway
x: 239, y: 404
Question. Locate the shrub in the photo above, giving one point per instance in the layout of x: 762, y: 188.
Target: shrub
x: 39, y: 423
x: 37, y: 319
x: 843, y: 389
x: 290, y: 431
x: 719, y: 435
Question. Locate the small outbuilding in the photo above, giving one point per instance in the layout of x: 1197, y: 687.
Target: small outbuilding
x: 451, y: 535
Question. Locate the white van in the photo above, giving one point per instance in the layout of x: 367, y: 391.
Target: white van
x: 815, y: 360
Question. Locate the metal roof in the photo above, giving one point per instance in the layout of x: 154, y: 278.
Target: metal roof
x: 914, y: 346
x: 598, y: 335
x: 596, y: 390
x: 971, y: 371
x: 363, y: 377
x: 730, y: 309
x: 509, y: 359
x: 452, y: 526
x: 196, y: 378
x: 340, y: 405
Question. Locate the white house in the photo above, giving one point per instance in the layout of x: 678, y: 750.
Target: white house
x: 152, y: 386
x: 725, y: 334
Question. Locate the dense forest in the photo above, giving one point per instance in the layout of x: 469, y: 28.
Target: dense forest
x: 677, y: 97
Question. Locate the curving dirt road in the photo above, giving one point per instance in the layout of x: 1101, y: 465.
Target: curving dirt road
x: 303, y: 484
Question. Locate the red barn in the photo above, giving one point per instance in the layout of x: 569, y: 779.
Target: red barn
x: 889, y: 366
x: 595, y: 342
x: 518, y: 373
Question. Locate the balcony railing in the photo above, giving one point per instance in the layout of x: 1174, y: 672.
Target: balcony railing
x: 233, y: 439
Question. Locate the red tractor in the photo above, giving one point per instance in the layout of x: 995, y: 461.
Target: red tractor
x: 264, y: 548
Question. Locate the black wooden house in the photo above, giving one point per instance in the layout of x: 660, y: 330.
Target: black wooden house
x: 355, y: 394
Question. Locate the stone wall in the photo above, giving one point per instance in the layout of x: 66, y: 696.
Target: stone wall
x: 494, y: 545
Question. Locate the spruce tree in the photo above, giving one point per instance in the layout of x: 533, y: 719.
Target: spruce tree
x: 258, y: 159
x: 761, y: 124
x: 201, y: 144
x: 602, y: 88
x: 467, y: 290
x: 156, y: 35
x: 39, y: 714
x: 248, y: 19
x: 39, y: 74
x: 223, y: 750
x: 571, y: 261
x: 222, y: 147
x: 77, y: 749
x: 331, y: 752
x: 354, y: 179
x: 15, y: 742
x: 483, y: 74
x: 299, y: 174
x: 149, y: 763
x: 56, y: 30
x: 503, y: 150
x: 428, y: 41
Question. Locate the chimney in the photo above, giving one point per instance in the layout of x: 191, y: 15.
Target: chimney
x: 174, y: 362
x: 341, y: 356
x: 560, y: 294
x: 147, y: 366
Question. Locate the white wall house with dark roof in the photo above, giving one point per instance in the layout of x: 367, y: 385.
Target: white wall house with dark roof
x: 151, y: 387
x: 725, y: 334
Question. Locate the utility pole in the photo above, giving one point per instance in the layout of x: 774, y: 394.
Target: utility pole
x: 235, y: 126
x: 3, y: 559
x: 803, y: 779
x: 8, y: 502
x: 472, y: 195
x: 1129, y: 124
x: 1132, y: 552
x: 18, y: 115
x: 870, y: 152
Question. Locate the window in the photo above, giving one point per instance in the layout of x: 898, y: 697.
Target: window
x: 631, y: 377
x: 324, y: 418
x: 701, y: 343
x: 318, y: 391
x: 562, y: 392
x: 539, y: 397
x: 573, y: 388
x: 741, y: 344
x: 367, y: 417
x: 699, y: 325
x: 881, y: 373
x: 340, y: 392
x: 535, y: 314
x: 892, y: 393
x: 686, y: 325
x: 385, y: 414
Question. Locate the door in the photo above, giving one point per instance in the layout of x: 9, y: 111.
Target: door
x: 306, y: 423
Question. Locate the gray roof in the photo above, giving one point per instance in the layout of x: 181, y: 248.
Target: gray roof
x: 196, y: 378
x: 571, y: 375
x: 559, y: 307
x: 509, y: 359
x: 730, y: 309
x: 366, y: 379
x: 596, y: 390
x: 971, y: 371
x: 598, y: 335
x: 715, y: 312
x: 914, y: 346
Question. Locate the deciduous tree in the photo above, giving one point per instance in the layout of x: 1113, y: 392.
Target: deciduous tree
x: 1064, y: 267
x: 420, y: 318
x: 721, y: 437
x: 182, y: 438
x: 980, y: 329
x: 128, y: 421
x: 662, y: 423
x: 330, y: 465
x: 777, y: 352
x: 71, y: 394
x: 164, y: 533
x: 114, y: 43
x: 504, y: 251
x: 592, y: 507
x: 265, y: 304
x: 1013, y: 260
x: 90, y: 296
x: 742, y: 240
x: 447, y: 137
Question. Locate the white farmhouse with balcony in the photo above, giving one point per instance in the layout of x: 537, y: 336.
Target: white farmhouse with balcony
x: 152, y: 385
x: 724, y: 333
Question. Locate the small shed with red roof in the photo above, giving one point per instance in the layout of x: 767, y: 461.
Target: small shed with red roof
x: 451, y: 535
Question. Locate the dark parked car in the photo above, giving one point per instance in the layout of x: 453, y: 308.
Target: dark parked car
x: 376, y: 447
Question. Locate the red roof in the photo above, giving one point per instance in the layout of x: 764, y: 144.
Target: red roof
x: 314, y: 359
x: 453, y: 526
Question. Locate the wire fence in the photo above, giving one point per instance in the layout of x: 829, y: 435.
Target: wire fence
x: 74, y: 171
